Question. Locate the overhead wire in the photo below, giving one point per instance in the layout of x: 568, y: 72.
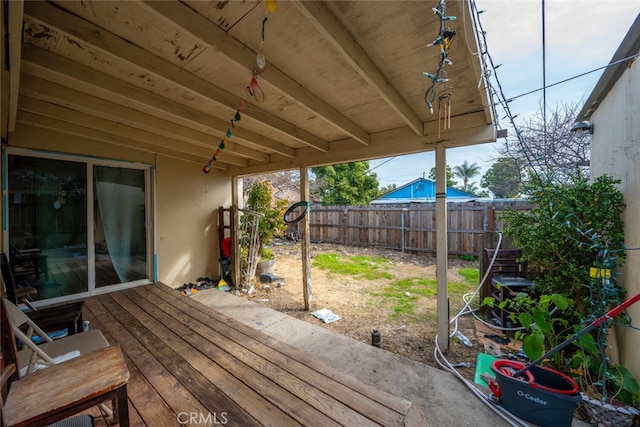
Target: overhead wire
x: 568, y: 79
x: 377, y: 166
x: 544, y: 76
x: 499, y: 92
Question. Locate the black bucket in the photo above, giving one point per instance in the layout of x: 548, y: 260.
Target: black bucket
x: 542, y: 396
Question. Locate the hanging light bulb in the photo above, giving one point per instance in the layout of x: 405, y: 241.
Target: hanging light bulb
x: 260, y: 59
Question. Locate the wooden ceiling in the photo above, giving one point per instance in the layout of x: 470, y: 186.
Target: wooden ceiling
x: 343, y: 80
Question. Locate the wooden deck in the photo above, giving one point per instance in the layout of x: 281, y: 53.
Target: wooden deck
x: 191, y: 364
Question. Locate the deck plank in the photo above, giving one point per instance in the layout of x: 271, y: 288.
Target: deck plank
x: 233, y: 377
x: 185, y: 364
x: 310, y: 368
x: 282, y: 388
x: 151, y: 387
x: 186, y: 358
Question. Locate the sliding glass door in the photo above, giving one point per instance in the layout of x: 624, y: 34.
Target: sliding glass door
x: 76, y: 225
x: 119, y: 233
x: 47, y: 213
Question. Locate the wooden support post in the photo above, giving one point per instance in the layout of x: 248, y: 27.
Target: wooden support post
x: 442, y: 249
x: 306, y: 242
x: 234, y: 218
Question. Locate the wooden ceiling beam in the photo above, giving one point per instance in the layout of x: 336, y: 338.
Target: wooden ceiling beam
x: 323, y: 19
x: 475, y: 63
x: 12, y: 41
x: 98, y: 107
x: 465, y: 130
x: 116, y: 133
x: 81, y: 33
x: 49, y: 66
x: 212, y: 35
x: 40, y: 128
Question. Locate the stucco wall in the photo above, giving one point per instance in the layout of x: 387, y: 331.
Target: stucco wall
x: 615, y: 150
x: 186, y: 202
x: 186, y: 207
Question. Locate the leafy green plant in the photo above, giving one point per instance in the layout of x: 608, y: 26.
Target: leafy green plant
x: 556, y: 236
x: 467, y: 257
x: 271, y: 223
x: 266, y: 253
x: 573, y: 239
x: 540, y: 317
x: 601, y: 380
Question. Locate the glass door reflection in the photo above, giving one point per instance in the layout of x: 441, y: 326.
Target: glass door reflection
x: 47, y: 202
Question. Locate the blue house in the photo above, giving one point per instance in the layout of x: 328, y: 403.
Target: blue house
x: 420, y: 191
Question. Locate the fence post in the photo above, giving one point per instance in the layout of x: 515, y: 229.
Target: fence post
x: 344, y: 225
x: 402, y: 228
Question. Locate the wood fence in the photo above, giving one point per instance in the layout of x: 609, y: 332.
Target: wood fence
x: 410, y: 228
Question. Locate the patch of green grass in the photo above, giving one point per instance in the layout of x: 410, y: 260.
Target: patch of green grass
x: 471, y: 275
x: 396, y: 291
x: 366, y: 267
x: 403, y: 294
x: 393, y: 291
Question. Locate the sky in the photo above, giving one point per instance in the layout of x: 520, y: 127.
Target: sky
x: 580, y: 36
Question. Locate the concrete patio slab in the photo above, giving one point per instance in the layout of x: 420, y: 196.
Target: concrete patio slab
x: 444, y: 400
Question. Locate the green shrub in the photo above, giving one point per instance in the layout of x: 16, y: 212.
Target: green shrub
x: 467, y: 257
x: 567, y: 232
x: 271, y: 223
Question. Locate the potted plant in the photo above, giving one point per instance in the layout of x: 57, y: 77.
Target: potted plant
x: 574, y: 240
x: 610, y: 392
x: 542, y: 324
x: 271, y: 222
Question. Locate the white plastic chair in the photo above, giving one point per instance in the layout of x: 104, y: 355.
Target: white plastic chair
x: 33, y: 357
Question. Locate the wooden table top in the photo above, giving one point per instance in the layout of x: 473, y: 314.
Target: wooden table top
x: 66, y: 384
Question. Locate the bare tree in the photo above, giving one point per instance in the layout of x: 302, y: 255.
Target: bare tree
x: 285, y: 184
x: 551, y: 149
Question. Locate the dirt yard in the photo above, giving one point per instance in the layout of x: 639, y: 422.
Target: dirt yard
x: 398, y: 299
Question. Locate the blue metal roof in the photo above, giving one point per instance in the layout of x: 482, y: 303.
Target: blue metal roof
x: 420, y: 190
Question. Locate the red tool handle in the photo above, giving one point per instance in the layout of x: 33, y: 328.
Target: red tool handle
x: 616, y: 310
x: 599, y: 321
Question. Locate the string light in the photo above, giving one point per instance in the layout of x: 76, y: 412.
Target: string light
x: 444, y: 39
x: 271, y: 6
x: 261, y: 61
x: 252, y: 89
